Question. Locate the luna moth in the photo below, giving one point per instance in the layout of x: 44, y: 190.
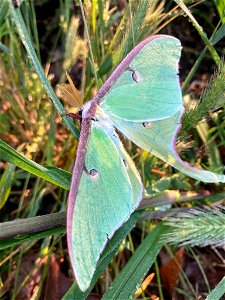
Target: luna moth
x: 142, y: 99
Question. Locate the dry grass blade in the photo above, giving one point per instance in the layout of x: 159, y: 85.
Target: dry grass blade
x: 69, y: 93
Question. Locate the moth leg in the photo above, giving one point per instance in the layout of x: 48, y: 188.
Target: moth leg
x: 72, y: 115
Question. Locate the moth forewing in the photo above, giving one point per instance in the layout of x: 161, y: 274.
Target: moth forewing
x: 148, y: 89
x: 134, y: 176
x: 104, y: 203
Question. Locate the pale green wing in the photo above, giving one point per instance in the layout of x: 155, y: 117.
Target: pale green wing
x: 104, y: 202
x: 134, y: 176
x: 149, y: 87
x: 159, y: 138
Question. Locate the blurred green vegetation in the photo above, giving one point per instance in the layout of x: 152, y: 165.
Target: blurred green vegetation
x: 39, y: 42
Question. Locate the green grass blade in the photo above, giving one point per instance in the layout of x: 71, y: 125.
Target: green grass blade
x: 220, y: 33
x: 35, y: 31
x: 220, y: 5
x: 218, y: 291
x: 4, y: 49
x: 51, y: 140
x: 74, y: 292
x: 203, y: 35
x: 94, y: 14
x: 6, y: 184
x: 102, y: 26
x: 214, y: 160
x: 4, y: 7
x: 89, y: 45
x: 21, y: 227
x: 57, y: 176
x: 17, y: 17
x: 128, y: 281
x: 15, y: 241
x: 216, y: 37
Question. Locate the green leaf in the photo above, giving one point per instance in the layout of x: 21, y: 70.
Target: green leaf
x: 4, y: 49
x: 218, y: 291
x: 202, y: 34
x: 6, y: 243
x: 220, y: 4
x: 6, y: 184
x: 4, y: 125
x: 22, y: 227
x: 218, y: 35
x: 129, y: 280
x: 74, y: 292
x: 57, y: 176
x: 4, y: 7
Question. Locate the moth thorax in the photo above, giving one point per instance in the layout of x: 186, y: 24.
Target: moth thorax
x: 147, y: 124
x: 86, y: 107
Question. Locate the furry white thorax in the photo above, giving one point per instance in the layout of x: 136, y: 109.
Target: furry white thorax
x: 86, y: 107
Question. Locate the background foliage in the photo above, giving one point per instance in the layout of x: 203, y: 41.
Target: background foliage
x: 40, y: 42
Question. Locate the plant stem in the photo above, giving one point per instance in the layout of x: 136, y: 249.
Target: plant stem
x: 31, y: 225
